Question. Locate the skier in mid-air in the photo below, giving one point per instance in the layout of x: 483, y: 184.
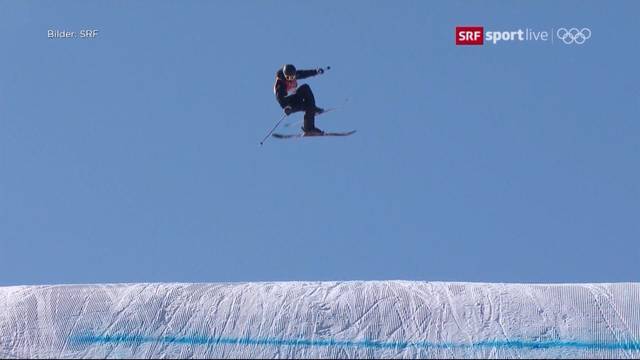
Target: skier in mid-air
x: 293, y: 98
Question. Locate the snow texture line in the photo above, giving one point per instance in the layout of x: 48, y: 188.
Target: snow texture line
x: 90, y: 339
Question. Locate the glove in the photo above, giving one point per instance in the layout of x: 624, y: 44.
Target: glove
x: 288, y: 110
x: 321, y: 70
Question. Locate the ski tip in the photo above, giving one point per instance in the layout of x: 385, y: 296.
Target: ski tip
x: 341, y: 133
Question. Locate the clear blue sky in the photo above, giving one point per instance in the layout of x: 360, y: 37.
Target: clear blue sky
x: 134, y: 157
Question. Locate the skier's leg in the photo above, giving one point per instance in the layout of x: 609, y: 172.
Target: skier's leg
x: 296, y: 102
x: 309, y: 120
x: 306, y: 95
x: 310, y: 108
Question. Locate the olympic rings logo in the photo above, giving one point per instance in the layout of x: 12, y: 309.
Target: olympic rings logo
x: 573, y: 35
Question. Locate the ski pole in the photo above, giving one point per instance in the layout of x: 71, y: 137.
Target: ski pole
x: 272, y: 130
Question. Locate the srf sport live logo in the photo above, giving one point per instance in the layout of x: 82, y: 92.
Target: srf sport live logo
x: 476, y: 35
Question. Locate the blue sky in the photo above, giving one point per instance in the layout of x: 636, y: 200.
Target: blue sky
x: 135, y: 156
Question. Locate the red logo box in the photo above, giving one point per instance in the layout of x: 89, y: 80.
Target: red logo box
x: 469, y: 35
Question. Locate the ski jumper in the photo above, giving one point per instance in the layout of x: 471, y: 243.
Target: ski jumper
x: 298, y: 98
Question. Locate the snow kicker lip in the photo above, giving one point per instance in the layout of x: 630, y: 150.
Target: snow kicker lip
x: 91, y: 339
x: 371, y: 319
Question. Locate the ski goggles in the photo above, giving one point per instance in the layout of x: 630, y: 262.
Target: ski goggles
x: 290, y: 77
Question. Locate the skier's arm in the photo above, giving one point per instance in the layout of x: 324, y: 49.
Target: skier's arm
x: 280, y: 96
x: 280, y: 90
x: 303, y: 74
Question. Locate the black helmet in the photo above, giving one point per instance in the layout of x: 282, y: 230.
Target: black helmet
x: 289, y: 70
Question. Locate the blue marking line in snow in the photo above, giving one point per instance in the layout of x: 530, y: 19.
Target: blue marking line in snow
x: 89, y: 339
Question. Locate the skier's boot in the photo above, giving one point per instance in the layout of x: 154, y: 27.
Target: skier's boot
x: 312, y: 132
x: 309, y: 128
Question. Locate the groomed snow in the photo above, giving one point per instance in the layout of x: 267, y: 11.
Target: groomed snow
x: 381, y: 319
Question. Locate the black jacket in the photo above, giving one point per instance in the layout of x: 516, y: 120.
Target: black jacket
x: 282, y: 87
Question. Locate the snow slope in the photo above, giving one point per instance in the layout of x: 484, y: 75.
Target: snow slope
x: 399, y: 319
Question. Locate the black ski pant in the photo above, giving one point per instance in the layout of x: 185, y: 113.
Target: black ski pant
x: 303, y: 100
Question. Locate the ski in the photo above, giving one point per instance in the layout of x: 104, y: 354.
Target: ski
x: 301, y: 135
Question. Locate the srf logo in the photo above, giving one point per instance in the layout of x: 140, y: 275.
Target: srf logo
x: 469, y: 35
